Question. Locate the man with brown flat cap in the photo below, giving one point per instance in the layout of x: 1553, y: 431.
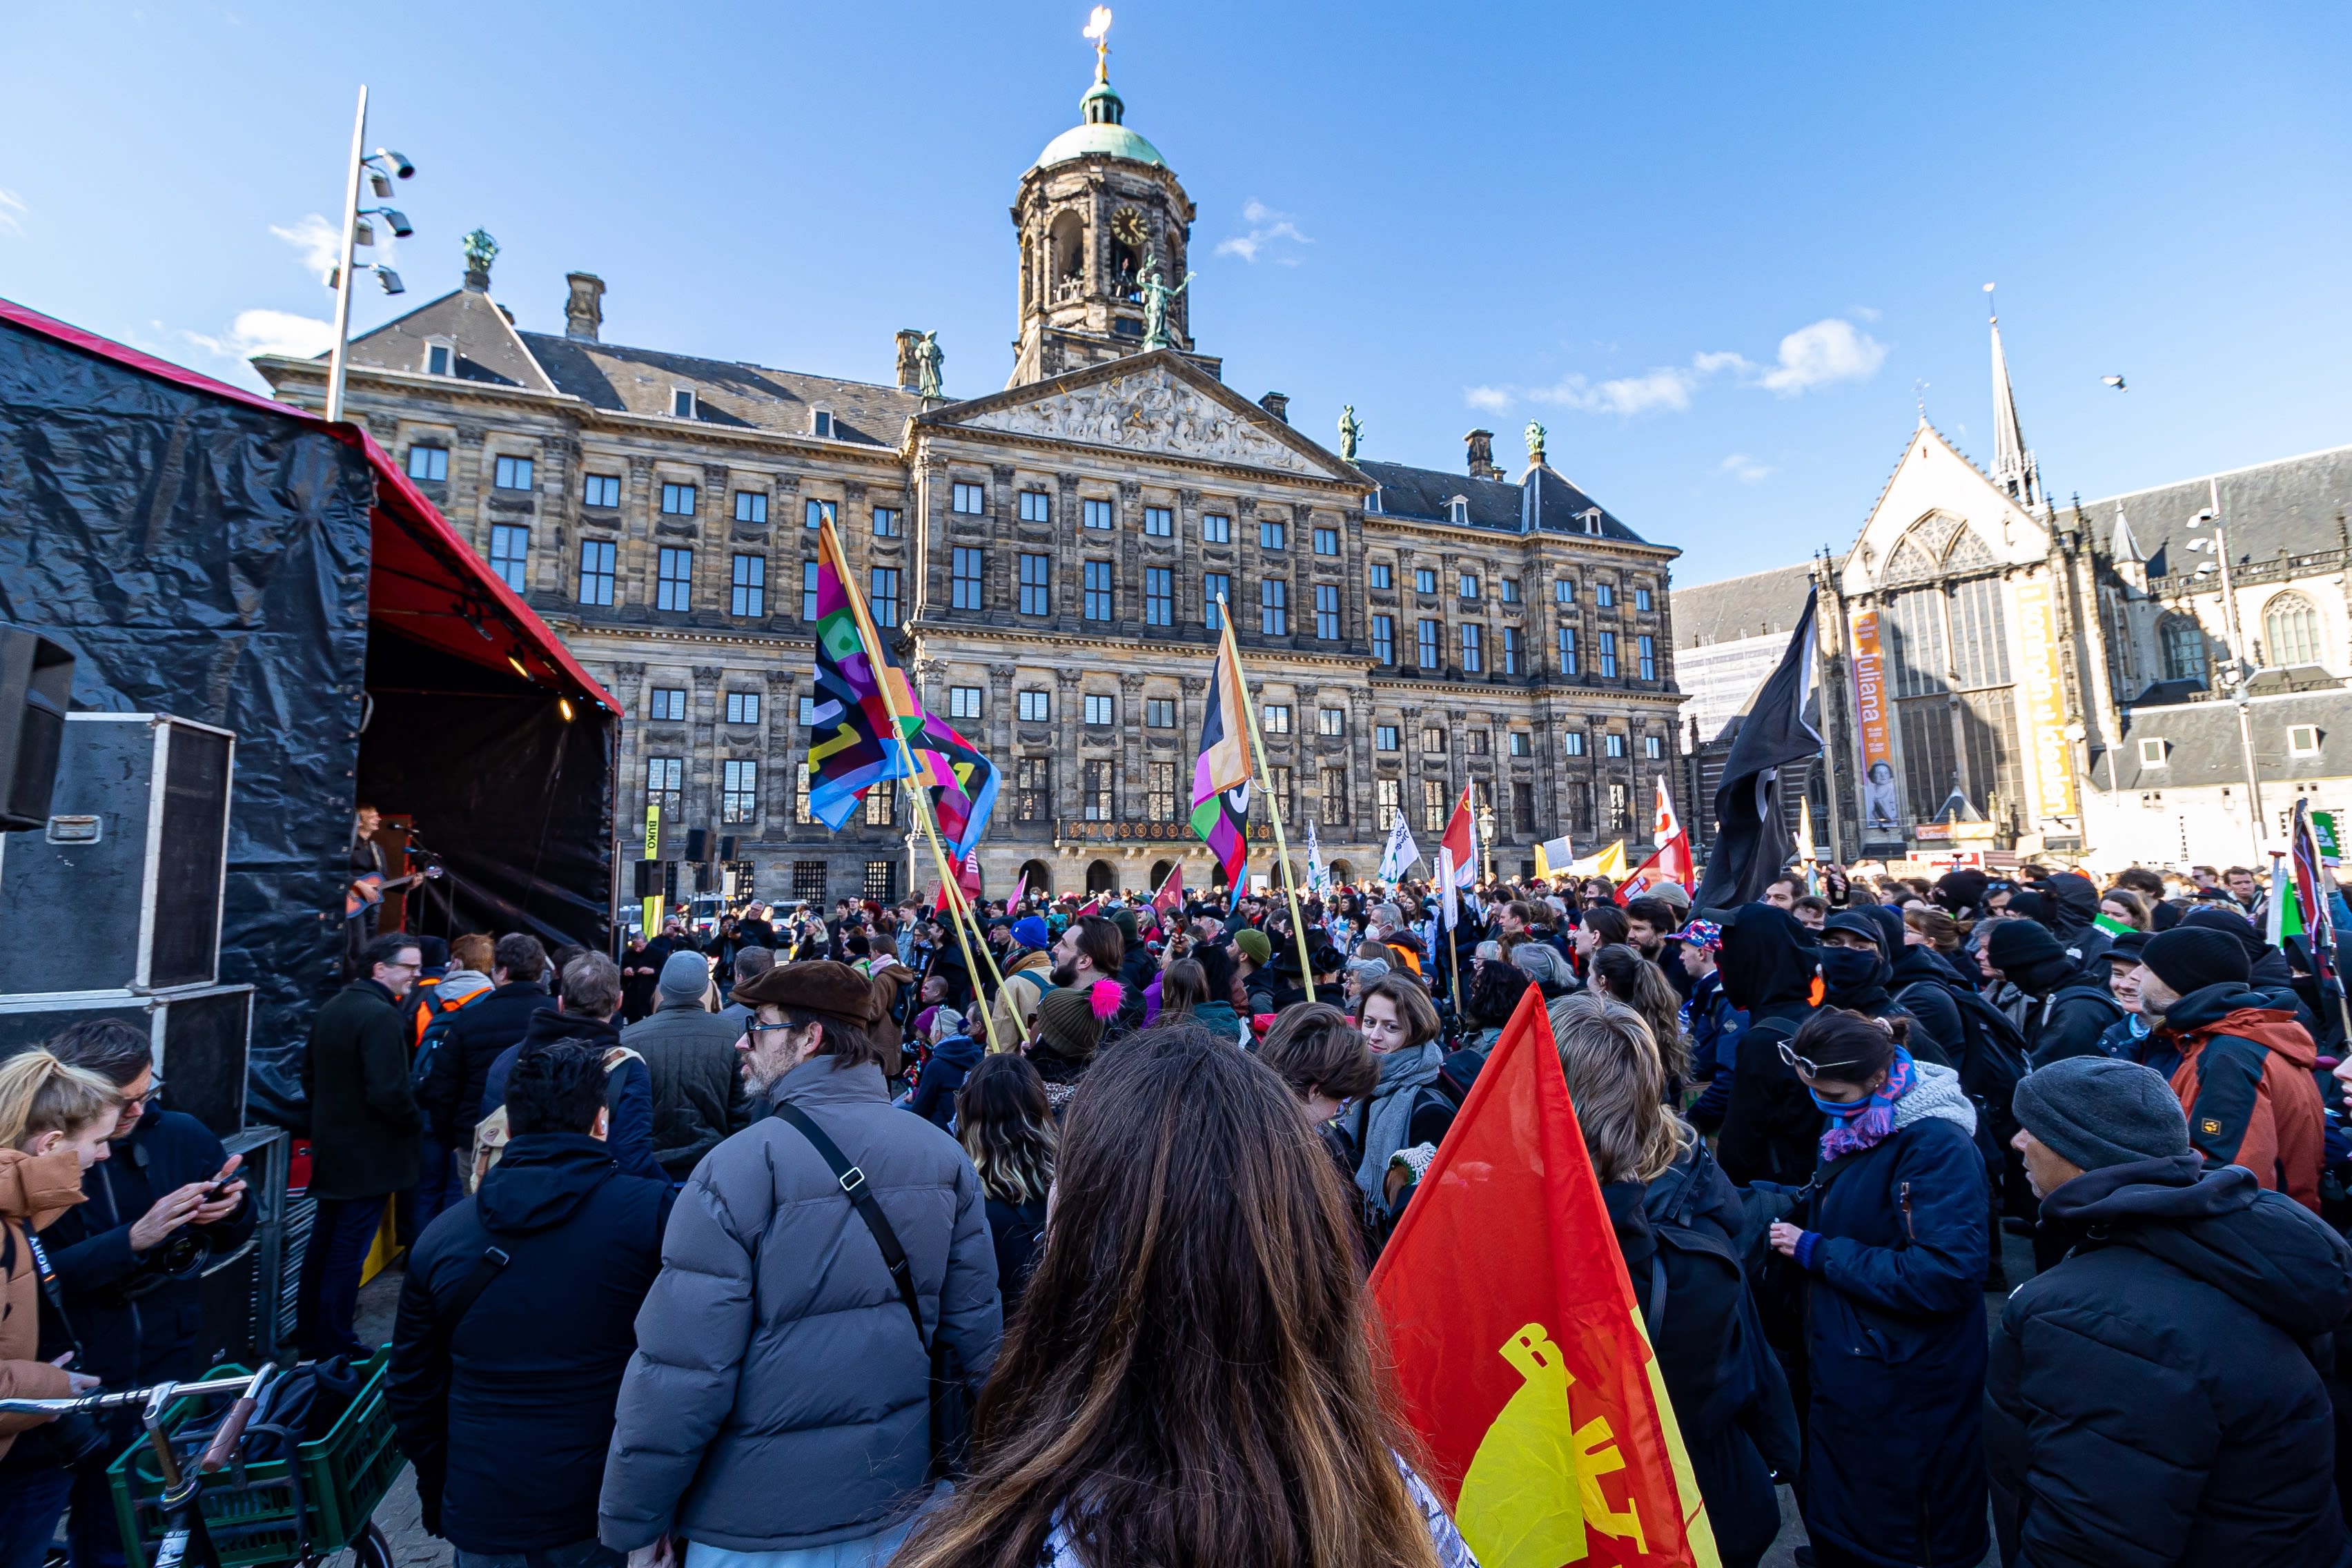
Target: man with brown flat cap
x: 778, y: 1399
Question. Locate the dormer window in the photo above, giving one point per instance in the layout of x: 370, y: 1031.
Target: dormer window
x: 1372, y: 501
x: 821, y: 424
x: 1459, y: 510
x: 2302, y: 740
x: 681, y: 402
x: 440, y: 357
x: 1590, y: 518
x: 2151, y: 751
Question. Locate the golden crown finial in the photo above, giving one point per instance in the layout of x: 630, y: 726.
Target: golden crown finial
x: 1099, y: 29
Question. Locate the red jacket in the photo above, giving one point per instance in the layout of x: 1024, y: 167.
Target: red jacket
x: 2246, y: 1083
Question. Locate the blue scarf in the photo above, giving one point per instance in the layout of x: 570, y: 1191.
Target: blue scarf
x: 1855, y: 1126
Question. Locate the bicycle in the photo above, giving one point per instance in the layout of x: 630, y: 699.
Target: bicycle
x: 199, y: 1501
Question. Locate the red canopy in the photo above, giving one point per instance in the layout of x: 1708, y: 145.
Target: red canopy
x: 423, y: 581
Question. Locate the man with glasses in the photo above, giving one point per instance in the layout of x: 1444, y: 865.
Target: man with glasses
x: 364, y: 1129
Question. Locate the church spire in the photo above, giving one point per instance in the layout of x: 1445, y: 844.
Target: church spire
x: 2013, y: 468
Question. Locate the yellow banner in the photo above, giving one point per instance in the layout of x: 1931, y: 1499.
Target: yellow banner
x: 653, y: 833
x: 1881, y: 803
x: 651, y: 915
x: 2045, y: 717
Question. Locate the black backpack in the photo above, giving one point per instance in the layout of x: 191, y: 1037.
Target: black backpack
x: 1992, y: 1058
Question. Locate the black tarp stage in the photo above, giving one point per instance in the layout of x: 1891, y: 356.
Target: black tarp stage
x: 208, y: 553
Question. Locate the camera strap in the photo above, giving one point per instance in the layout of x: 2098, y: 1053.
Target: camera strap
x: 50, y: 1286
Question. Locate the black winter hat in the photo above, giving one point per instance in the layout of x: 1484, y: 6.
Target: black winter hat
x: 2101, y: 1110
x: 2020, y: 944
x: 2230, y: 923
x: 2125, y: 948
x: 2190, y: 958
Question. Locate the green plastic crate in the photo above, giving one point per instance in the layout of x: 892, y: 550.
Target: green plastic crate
x: 343, y: 1475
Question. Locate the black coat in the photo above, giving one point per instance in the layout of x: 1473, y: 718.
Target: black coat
x: 509, y: 1416
x: 628, y: 1086
x: 2066, y: 1012
x: 364, y: 1118
x: 696, y: 1082
x: 135, y: 1324
x: 1770, y: 1129
x: 453, y: 1091
x: 1017, y: 1231
x: 1918, y: 988
x: 2152, y: 1399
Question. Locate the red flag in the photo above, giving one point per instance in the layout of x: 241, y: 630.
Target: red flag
x: 1457, y: 857
x: 1171, y: 896
x: 1670, y: 861
x: 1093, y: 906
x: 1520, y: 1359
x: 967, y: 879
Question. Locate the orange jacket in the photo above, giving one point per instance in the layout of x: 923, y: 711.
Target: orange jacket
x: 33, y: 1191
x: 2245, y: 1084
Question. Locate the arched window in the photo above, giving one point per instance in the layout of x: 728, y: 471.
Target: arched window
x: 2184, y: 647
x: 2291, y: 632
x: 1102, y: 876
x: 1037, y: 878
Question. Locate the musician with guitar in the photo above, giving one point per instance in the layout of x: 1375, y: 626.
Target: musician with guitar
x: 368, y: 882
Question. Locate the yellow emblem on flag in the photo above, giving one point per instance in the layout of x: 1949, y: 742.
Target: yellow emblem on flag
x: 1534, y: 1485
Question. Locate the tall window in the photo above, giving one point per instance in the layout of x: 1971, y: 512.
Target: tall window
x: 1216, y: 528
x: 1523, y: 804
x: 433, y: 463
x: 1388, y: 795
x: 673, y: 589
x: 1521, y: 744
x: 889, y: 522
x: 1097, y: 607
x: 816, y: 513
x: 2291, y: 632
x: 1033, y: 788
x: 1432, y: 805
x: 1330, y: 720
x: 1473, y: 649
x: 1335, y: 796
x: 1604, y: 596
x: 1036, y: 706
x: 748, y: 592
x: 1608, y: 655
x: 1563, y: 591
x: 669, y: 705
x: 1159, y: 713
x: 742, y: 708
x: 1574, y: 744
x: 964, y: 588
x: 665, y: 781
x: 1424, y: 579
x: 1469, y: 585
x: 1097, y: 791
x: 1326, y: 542
x: 509, y: 554
x: 1641, y: 600
x: 1612, y: 746
x: 1567, y: 650
x: 1269, y: 533
x: 1383, y: 575
x: 600, y: 490
x: 1652, y: 747
x: 1580, y: 806
x: 596, y: 572
x: 1275, y: 717
x: 1428, y: 644
x: 1036, y: 506
x: 738, y: 795
x: 1101, y: 708
x: 1384, y: 738
x: 1216, y: 588
x: 881, y: 805
x: 1432, y: 741
x: 1384, y: 639
x: 968, y: 499
x: 2184, y: 647
x: 964, y: 702
x: 512, y: 473
x: 1159, y: 522
x: 1094, y: 514
x: 1161, y: 786
x: 1037, y: 578
x: 808, y: 591
x: 1621, y: 812
x: 1285, y: 799
x: 1509, y: 589
x: 805, y: 813
x: 883, y: 595
x: 1510, y: 650
x: 750, y: 506
x: 1649, y: 653
x: 1326, y: 611
x: 1159, y: 596
x: 678, y: 501
x: 1274, y: 607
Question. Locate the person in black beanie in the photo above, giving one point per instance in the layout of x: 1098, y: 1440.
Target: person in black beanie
x: 2066, y: 1011
x: 2151, y: 1388
x: 2267, y: 970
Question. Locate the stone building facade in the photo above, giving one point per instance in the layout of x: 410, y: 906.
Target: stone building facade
x: 1051, y: 557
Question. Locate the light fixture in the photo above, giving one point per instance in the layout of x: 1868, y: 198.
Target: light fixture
x: 401, y: 227
x: 363, y: 233
x: 383, y: 187
x: 563, y: 706
x: 390, y: 281
x: 399, y: 161
x: 519, y: 669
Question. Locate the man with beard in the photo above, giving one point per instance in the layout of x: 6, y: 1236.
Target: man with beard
x: 1090, y: 949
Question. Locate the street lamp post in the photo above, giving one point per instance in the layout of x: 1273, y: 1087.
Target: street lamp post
x: 1486, y: 834
x: 381, y: 167
x: 2240, y: 665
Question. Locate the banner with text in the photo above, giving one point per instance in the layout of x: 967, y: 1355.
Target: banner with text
x: 1881, y: 803
x: 2045, y: 716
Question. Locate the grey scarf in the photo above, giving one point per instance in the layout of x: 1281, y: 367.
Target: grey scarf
x: 1387, y: 1115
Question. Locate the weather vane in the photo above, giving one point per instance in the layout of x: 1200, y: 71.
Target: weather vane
x: 1099, y: 29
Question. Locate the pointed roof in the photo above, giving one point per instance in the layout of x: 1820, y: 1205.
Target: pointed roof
x: 487, y: 348
x: 2121, y: 545
x: 2014, y: 468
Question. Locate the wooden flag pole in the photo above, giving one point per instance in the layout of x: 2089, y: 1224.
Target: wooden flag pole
x: 1273, y: 810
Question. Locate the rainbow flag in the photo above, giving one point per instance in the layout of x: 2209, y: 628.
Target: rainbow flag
x: 1220, y: 776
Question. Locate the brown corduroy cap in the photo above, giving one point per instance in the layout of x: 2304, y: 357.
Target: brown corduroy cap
x: 817, y: 986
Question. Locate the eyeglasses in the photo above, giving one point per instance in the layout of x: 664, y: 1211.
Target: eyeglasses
x: 1789, y: 1058
x: 155, y: 1088
x: 767, y: 1028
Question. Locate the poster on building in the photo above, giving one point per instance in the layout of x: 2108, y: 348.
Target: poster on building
x: 1882, y: 805
x: 2045, y: 717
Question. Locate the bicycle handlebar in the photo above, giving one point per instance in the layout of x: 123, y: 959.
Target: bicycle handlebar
x: 232, y: 1426
x: 87, y: 1403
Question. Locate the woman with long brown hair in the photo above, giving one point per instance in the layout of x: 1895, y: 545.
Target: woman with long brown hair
x: 1191, y: 1380
x: 1624, y: 975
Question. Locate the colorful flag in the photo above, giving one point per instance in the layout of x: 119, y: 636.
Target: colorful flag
x: 1220, y: 774
x: 1402, y: 854
x: 1609, y: 863
x: 1457, y: 858
x: 1670, y: 861
x: 1318, y: 879
x: 1171, y: 896
x: 1520, y: 1361
x: 2286, y: 907
x: 962, y: 782
x: 1554, y: 856
x: 2308, y: 854
x: 1020, y: 889
x: 967, y: 879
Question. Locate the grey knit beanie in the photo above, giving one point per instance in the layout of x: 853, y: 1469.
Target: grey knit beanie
x: 684, y: 976
x: 2097, y: 1111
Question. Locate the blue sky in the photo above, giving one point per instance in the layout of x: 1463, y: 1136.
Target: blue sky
x: 1716, y: 250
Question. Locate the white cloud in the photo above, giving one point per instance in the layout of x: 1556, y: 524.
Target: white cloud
x: 1863, y: 313
x: 1743, y: 468
x: 1829, y: 351
x: 12, y: 210
x: 1267, y: 228
x: 1494, y: 399
x: 320, y: 242
x: 261, y: 332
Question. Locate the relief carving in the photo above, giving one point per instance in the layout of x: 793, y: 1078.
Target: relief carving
x: 1151, y: 410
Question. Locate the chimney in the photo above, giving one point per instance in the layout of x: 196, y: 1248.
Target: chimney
x: 1482, y: 454
x: 910, y: 374
x: 584, y: 312
x: 1276, y: 404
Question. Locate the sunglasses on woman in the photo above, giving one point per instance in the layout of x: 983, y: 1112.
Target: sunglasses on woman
x: 1809, y: 1068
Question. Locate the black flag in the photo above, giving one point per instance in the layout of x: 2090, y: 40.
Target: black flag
x: 1751, y: 842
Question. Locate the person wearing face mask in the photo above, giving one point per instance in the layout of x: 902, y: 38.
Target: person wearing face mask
x: 1768, y: 965
x: 2065, y: 1009
x: 1856, y: 973
x: 1892, y: 1238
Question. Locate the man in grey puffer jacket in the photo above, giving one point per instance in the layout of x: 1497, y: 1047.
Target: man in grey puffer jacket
x: 779, y: 1398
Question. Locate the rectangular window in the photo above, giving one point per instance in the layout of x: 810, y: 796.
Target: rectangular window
x: 1216, y: 588
x: 669, y: 705
x: 1159, y: 522
x: 1269, y: 534
x: 1036, y: 575
x: 1621, y: 809
x: 1567, y: 650
x: 1161, y: 779
x: 750, y: 506
x: 1478, y: 743
x: 1652, y: 747
x: 964, y: 586
x: 1327, y: 612
x: 1101, y: 708
x: 881, y: 805
x: 1036, y: 706
x: 1383, y: 575
x: 663, y: 779
x: 600, y: 490
x: 433, y: 463
x: 1424, y: 580
x: 1384, y: 639
x: 883, y: 595
x: 1274, y: 607
x: 1285, y: 799
x: 509, y: 554
x: 808, y: 711
x: 1095, y: 789
x: 1216, y: 528
x: 808, y: 591
x: 748, y: 595
x: 1427, y: 639
x: 1094, y: 514
x: 1159, y: 596
x: 1510, y: 650
x: 1032, y: 789
x: 1521, y: 745
x: 1642, y: 599
x: 1384, y: 738
x: 889, y: 522
x: 1612, y: 746
x: 1509, y: 588
x: 1036, y: 506
x: 675, y: 588
x: 681, y: 401
x: 1159, y: 713
x: 678, y: 501
x: 596, y: 572
x: 964, y: 702
x: 880, y: 882
x: 1326, y: 542
x: 1608, y: 655
x: 437, y: 359
x: 1474, y: 651
x: 1523, y: 804
x: 742, y: 708
x: 2302, y: 741
x: 1330, y: 720
x: 1275, y: 717
x: 805, y: 813
x: 1097, y: 605
x: 511, y: 474
x: 968, y: 499
x: 1649, y: 647
x: 1575, y: 742
x: 1335, y: 796
x: 1469, y: 585
x: 1432, y: 741
x: 1604, y: 596
x: 1432, y: 805
x: 808, y: 877
x: 1387, y: 797
x: 817, y: 513
x: 1563, y: 591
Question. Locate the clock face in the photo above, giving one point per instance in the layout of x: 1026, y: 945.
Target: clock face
x: 1126, y: 227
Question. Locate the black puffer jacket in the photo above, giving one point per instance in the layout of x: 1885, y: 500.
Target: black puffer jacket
x: 452, y: 1094
x: 1770, y: 1128
x: 2153, y: 1399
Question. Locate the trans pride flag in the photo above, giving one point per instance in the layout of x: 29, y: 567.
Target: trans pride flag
x: 1220, y: 776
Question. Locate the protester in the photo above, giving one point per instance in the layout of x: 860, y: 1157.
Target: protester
x: 750, y: 961
x: 691, y: 1067
x: 592, y: 995
x: 1405, y: 1111
x: 517, y: 1317
x: 954, y: 1053
x: 1621, y: 975
x: 454, y: 1093
x: 1770, y: 1128
x: 1090, y: 950
x: 1004, y: 1125
x: 2067, y: 1011
x: 1070, y: 1025
x: 1026, y: 980
x: 1713, y: 1023
x: 1322, y: 1056
x: 364, y: 1129
x: 1191, y: 1380
x: 1892, y: 1243
x: 1184, y: 987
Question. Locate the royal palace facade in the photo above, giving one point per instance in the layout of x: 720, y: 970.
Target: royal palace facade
x: 1053, y: 558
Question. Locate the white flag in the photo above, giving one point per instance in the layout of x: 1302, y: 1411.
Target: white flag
x: 1401, y: 852
x: 1318, y: 881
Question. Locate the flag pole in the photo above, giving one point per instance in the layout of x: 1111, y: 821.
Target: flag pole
x: 867, y: 633
x: 1273, y: 809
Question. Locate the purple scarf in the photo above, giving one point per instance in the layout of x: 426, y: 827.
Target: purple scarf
x: 1870, y: 1124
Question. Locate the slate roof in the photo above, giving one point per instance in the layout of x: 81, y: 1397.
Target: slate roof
x: 750, y: 396
x: 488, y: 348
x: 1427, y: 495
x: 2295, y: 504
x: 1762, y: 604
x: 2201, y: 743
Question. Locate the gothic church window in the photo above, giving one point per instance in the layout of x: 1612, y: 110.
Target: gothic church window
x: 2291, y: 632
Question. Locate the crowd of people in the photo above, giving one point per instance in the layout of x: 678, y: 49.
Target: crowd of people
x: 809, y: 1242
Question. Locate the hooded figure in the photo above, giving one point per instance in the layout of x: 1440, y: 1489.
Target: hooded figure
x: 2070, y: 903
x: 2065, y: 1010
x: 1768, y: 967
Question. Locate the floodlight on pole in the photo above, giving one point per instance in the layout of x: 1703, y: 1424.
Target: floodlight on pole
x: 381, y: 168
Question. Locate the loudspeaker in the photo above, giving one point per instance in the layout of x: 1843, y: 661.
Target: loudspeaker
x: 648, y: 879
x: 201, y: 1037
x: 727, y: 846
x: 35, y: 689
x: 122, y: 891
x: 697, y: 844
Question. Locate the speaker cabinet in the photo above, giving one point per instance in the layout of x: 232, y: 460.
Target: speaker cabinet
x: 201, y: 1036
